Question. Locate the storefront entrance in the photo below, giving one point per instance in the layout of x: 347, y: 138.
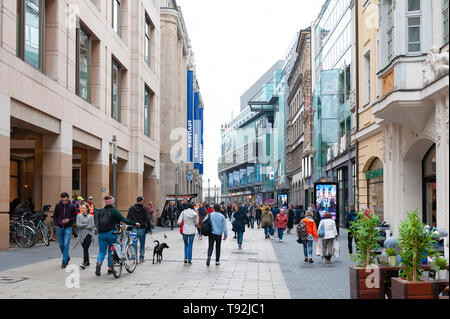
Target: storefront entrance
x: 375, y: 198
x: 429, y: 187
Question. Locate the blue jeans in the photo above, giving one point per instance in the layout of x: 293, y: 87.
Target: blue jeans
x: 188, y: 243
x: 266, y: 230
x: 240, y: 237
x: 280, y: 233
x: 141, y: 233
x: 105, y: 241
x: 64, y: 235
x: 252, y: 222
x: 308, y: 248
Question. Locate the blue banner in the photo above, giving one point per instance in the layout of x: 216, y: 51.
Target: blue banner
x: 251, y: 174
x: 190, y: 115
x: 236, y: 179
x: 230, y: 180
x: 196, y: 140
x: 257, y: 173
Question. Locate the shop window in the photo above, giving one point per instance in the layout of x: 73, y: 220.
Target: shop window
x: 375, y: 197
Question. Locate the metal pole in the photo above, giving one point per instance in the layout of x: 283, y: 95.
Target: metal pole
x: 209, y: 190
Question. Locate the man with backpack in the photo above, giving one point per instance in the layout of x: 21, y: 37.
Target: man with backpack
x: 138, y: 213
x: 307, y: 233
x: 106, y: 222
x: 218, y: 227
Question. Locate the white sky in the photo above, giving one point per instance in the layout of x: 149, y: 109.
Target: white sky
x: 235, y: 42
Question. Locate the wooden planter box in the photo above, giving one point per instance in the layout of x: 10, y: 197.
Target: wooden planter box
x: 358, y: 284
x: 402, y: 289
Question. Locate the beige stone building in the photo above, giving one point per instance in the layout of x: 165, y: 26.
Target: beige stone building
x: 369, y: 133
x: 178, y: 174
x: 300, y: 148
x: 73, y: 74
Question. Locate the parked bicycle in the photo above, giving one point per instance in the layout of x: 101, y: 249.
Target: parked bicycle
x: 124, y: 253
x: 26, y: 228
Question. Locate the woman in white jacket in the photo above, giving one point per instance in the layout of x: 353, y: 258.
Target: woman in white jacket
x: 330, y: 235
x: 191, y: 219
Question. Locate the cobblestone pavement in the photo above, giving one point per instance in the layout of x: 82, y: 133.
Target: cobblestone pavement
x: 317, y: 280
x: 263, y: 269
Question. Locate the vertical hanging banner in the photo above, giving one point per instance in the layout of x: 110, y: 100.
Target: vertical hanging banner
x: 201, y: 141
x: 197, y: 127
x: 190, y: 115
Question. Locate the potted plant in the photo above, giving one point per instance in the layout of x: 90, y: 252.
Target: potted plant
x: 362, y: 284
x: 440, y: 265
x: 415, y: 240
x: 392, y: 254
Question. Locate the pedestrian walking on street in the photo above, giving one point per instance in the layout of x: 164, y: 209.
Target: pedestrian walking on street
x: 64, y: 217
x: 219, y: 228
x: 106, y: 222
x: 240, y: 219
x: 291, y: 217
x: 275, y: 211
x: 138, y: 213
x: 234, y: 210
x: 202, y: 212
x: 330, y: 236
x: 86, y: 225
x: 190, y: 221
x: 172, y: 214
x: 309, y: 235
x: 258, y: 216
x: 281, y: 223
x: 351, y: 217
x: 267, y: 221
x: 252, y: 215
x: 91, y: 206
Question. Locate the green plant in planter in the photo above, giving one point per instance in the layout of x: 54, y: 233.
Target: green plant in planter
x: 440, y: 263
x: 415, y: 240
x: 364, y: 230
x: 391, y: 252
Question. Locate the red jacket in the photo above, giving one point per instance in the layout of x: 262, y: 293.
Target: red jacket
x: 281, y: 221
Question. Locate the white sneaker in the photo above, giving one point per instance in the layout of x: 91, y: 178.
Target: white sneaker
x: 217, y: 263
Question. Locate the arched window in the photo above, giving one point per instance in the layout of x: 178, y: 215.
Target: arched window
x: 375, y: 196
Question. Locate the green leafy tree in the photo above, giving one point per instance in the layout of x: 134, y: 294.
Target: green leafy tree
x: 364, y: 230
x: 415, y: 240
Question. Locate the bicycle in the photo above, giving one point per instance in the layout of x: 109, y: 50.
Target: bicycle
x: 124, y: 252
x: 19, y: 232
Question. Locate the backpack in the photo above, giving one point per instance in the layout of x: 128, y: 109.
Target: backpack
x: 206, y: 226
x: 105, y: 223
x: 322, y: 231
x: 301, y: 230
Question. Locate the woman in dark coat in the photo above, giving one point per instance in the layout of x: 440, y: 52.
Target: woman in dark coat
x: 240, y: 218
x: 291, y: 216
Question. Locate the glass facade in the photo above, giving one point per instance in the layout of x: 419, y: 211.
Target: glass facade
x: 147, y: 112
x: 32, y: 35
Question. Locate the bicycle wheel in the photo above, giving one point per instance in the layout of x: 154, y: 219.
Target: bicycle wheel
x: 131, y: 261
x: 36, y: 234
x: 51, y: 231
x: 24, y: 236
x: 116, y: 265
x: 12, y: 232
x: 44, y: 234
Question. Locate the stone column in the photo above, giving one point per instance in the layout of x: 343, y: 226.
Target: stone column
x: 442, y: 160
x: 57, y: 165
x: 98, y: 174
x: 5, y: 134
x: 151, y: 189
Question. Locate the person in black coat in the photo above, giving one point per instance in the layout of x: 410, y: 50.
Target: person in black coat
x: 291, y: 217
x: 172, y: 214
x: 240, y: 218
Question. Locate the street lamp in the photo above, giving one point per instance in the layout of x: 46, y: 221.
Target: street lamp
x: 114, y: 163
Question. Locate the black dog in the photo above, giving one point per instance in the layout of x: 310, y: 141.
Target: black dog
x: 158, y: 251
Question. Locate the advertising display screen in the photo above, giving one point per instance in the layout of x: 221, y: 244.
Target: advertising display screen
x: 326, y: 199
x: 236, y: 179
x: 230, y: 180
x: 283, y: 200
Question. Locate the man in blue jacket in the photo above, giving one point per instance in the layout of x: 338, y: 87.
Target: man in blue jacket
x: 219, y: 227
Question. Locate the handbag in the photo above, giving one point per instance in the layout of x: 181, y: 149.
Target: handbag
x: 272, y: 231
x: 318, y: 250
x: 322, y: 231
x: 182, y: 224
x: 206, y: 227
x: 336, y: 249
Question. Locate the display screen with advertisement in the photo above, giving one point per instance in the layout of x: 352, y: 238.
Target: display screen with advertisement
x: 326, y: 197
x: 283, y: 200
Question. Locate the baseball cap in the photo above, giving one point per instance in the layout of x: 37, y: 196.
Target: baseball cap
x: 80, y: 198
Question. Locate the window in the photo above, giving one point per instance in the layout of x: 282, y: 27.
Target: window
x: 116, y: 16
x: 83, y: 64
x: 147, y: 112
x: 30, y: 19
x: 390, y: 29
x: 366, y: 75
x: 148, y: 28
x: 413, y: 17
x: 115, y: 92
x: 445, y: 20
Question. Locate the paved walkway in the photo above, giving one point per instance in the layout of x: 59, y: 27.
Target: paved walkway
x: 263, y: 269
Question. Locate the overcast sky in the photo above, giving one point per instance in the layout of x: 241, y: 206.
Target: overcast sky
x: 235, y: 42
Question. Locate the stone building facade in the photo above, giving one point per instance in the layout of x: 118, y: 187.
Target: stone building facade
x: 75, y: 73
